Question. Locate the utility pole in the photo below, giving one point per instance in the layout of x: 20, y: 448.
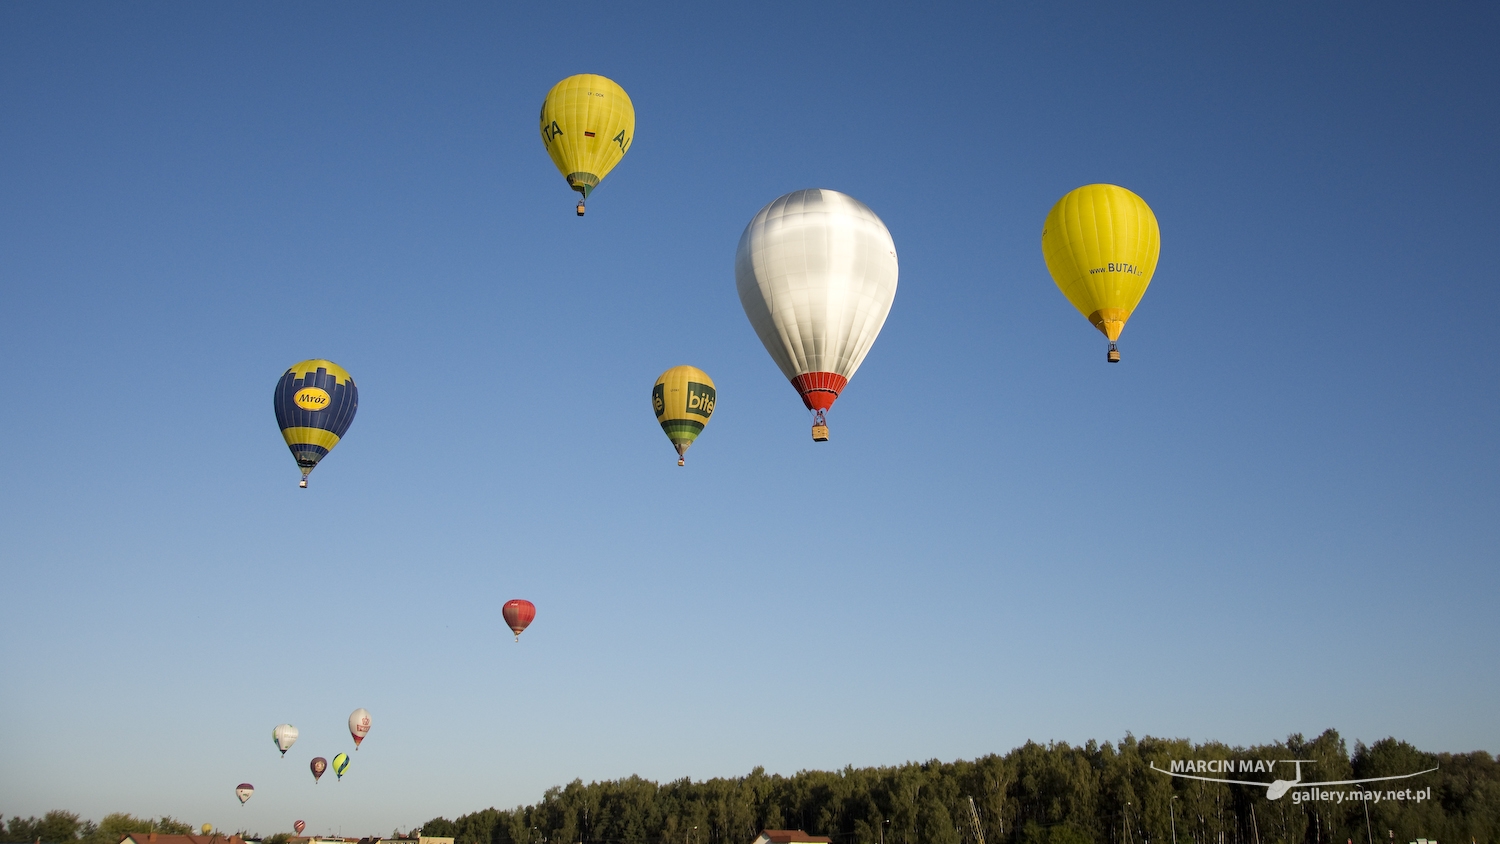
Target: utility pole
x: 1171, y: 810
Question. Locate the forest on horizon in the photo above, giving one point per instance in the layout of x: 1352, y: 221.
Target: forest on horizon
x: 1035, y: 794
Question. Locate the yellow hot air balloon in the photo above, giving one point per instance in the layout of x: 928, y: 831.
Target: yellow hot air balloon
x: 587, y: 126
x: 683, y: 398
x: 1101, y: 243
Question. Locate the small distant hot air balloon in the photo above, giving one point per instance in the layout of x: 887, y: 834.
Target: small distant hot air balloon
x: 587, y: 126
x: 285, y: 735
x: 318, y: 766
x: 816, y: 273
x: 359, y: 725
x: 683, y: 399
x: 1101, y: 243
x: 341, y: 764
x: 315, y: 403
x: 207, y: 828
x: 518, y: 614
x: 299, y: 826
x: 243, y: 791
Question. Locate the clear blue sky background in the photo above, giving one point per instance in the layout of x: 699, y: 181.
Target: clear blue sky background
x: 1278, y: 513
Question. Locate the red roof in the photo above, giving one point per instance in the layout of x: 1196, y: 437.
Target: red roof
x: 794, y: 836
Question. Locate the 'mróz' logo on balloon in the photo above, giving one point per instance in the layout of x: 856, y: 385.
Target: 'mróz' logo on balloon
x: 311, y: 398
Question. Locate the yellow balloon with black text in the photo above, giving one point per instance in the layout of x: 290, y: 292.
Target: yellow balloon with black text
x: 587, y: 124
x: 1101, y: 243
x: 683, y: 399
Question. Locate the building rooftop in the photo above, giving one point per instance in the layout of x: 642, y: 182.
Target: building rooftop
x: 790, y: 836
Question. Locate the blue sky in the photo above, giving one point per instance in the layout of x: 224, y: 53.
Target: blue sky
x: 1276, y: 515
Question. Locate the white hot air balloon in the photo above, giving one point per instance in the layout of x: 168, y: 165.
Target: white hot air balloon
x: 243, y: 791
x: 285, y: 735
x: 359, y: 725
x: 816, y: 272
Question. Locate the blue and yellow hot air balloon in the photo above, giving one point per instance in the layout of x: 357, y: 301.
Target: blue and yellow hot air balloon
x: 315, y: 402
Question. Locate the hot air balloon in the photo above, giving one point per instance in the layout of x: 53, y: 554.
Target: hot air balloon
x: 341, y: 764
x: 318, y: 765
x: 359, y: 725
x: 816, y: 272
x: 1101, y: 243
x: 683, y: 399
x: 285, y: 735
x: 587, y: 126
x: 207, y: 828
x: 243, y: 791
x: 518, y: 614
x: 315, y: 402
x: 299, y: 826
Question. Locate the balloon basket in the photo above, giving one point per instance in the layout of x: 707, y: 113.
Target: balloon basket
x: 682, y: 461
x: 580, y: 208
x: 302, y: 484
x: 1114, y: 354
x: 820, y: 433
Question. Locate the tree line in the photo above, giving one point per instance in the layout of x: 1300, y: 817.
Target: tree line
x: 59, y: 826
x: 1035, y: 794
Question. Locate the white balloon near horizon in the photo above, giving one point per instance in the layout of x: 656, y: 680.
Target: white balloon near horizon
x: 285, y: 735
x: 359, y: 725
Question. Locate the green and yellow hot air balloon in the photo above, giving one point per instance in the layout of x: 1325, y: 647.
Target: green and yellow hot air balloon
x: 315, y: 402
x: 683, y: 399
x: 587, y: 126
x: 1101, y: 243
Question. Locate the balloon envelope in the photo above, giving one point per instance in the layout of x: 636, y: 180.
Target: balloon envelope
x: 1101, y: 244
x: 816, y: 273
x: 207, y: 828
x: 243, y: 791
x: 359, y: 725
x: 588, y: 123
x: 299, y: 826
x: 315, y: 403
x: 318, y: 766
x: 518, y: 614
x: 341, y: 764
x: 285, y: 735
x: 683, y: 398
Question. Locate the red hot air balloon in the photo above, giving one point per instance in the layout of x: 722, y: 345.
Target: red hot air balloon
x: 299, y: 826
x: 318, y: 766
x: 518, y: 614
